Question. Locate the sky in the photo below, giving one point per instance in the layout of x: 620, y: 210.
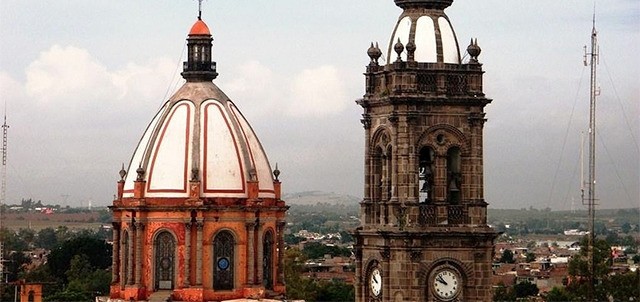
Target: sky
x: 82, y: 79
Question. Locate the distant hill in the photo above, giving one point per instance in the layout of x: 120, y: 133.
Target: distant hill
x: 316, y: 197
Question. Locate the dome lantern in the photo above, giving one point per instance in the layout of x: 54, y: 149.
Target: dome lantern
x: 199, y: 66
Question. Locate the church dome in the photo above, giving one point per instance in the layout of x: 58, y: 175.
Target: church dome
x: 199, y: 134
x: 424, y: 25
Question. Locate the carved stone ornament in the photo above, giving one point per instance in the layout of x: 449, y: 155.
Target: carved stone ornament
x: 385, y: 253
x: 416, y: 256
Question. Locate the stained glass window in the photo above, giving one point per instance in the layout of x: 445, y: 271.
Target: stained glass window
x: 223, y: 250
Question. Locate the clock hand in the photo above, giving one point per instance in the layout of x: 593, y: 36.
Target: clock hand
x: 441, y: 280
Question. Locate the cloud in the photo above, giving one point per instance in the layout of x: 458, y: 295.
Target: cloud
x: 74, y: 121
x: 312, y: 93
x: 319, y: 91
x: 68, y: 73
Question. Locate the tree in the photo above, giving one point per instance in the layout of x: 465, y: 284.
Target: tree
x: 298, y: 287
x: 97, y: 251
x: 623, y: 287
x: 79, y: 268
x: 46, y: 239
x: 579, y: 270
x: 530, y: 257
x: 336, y: 290
x: 11, y: 241
x: 28, y: 235
x: 626, y: 227
x: 315, y: 250
x: 291, y: 239
x: 558, y: 294
x: 507, y: 257
x: 503, y: 293
x: 525, y: 289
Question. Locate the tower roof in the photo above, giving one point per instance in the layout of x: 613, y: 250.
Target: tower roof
x: 425, y: 33
x: 199, y: 29
x: 431, y: 4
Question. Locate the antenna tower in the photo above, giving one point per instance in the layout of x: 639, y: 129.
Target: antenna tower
x: 591, y: 177
x: 3, y: 195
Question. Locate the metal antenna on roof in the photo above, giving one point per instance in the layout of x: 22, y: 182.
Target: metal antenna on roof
x: 200, y: 9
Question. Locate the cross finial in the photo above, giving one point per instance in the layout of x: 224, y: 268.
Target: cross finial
x: 200, y: 9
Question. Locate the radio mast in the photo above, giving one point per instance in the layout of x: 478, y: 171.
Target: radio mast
x: 591, y: 177
x: 3, y: 195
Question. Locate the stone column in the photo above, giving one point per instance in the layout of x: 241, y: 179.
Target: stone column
x: 251, y: 227
x: 260, y: 254
x: 139, y: 242
x: 200, y: 227
x: 130, y: 256
x: 115, y: 264
x: 187, y: 254
x: 280, y: 236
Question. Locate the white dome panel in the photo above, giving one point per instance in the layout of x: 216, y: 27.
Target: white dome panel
x: 171, y: 153
x: 449, y: 43
x: 426, y: 48
x: 222, y: 162
x: 138, y: 155
x: 403, y: 29
x: 258, y: 156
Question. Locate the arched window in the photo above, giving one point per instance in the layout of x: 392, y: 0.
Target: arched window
x: 267, y: 260
x: 32, y: 296
x: 454, y: 176
x: 223, y: 251
x: 165, y: 249
x: 377, y: 176
x: 426, y: 170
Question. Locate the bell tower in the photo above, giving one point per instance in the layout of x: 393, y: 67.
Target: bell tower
x: 424, y: 233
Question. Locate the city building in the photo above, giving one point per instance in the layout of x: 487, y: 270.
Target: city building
x: 424, y: 233
x: 198, y: 214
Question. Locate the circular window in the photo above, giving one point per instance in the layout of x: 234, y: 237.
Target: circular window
x: 165, y: 263
x: 440, y: 139
x: 223, y: 263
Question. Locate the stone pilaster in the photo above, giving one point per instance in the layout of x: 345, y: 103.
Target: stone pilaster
x: 139, y: 242
x: 115, y: 264
x: 130, y: 257
x: 200, y: 227
x: 260, y: 254
x: 187, y: 254
x: 280, y: 236
x: 251, y: 229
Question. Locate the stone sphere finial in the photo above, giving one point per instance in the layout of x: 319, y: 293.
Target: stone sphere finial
x: 371, y: 52
x: 140, y: 172
x: 474, y: 51
x: 399, y: 48
x: 122, y: 172
x: 276, y: 172
x: 411, y: 50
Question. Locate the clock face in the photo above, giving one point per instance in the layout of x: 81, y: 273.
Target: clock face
x: 446, y: 284
x: 375, y: 282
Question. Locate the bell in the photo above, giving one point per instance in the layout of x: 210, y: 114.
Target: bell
x: 453, y: 187
x: 425, y: 187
